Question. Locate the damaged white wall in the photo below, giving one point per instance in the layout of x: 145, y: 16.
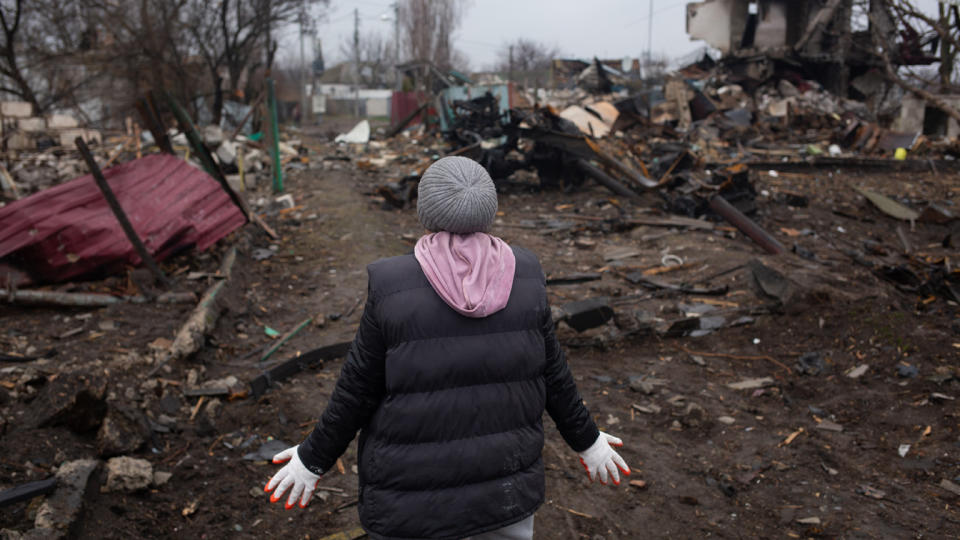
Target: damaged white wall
x: 772, y: 25
x: 714, y: 21
x: 914, y: 114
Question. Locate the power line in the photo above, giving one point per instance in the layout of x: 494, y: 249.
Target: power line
x: 661, y: 10
x: 482, y: 43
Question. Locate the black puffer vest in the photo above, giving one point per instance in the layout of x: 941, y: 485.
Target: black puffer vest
x: 450, y: 407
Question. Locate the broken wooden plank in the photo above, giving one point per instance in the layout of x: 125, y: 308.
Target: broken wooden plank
x: 27, y: 491
x: 672, y: 221
x: 67, y: 299
x: 751, y: 384
x: 289, y: 368
x: 202, y: 320
x: 652, y: 283
x: 582, y: 277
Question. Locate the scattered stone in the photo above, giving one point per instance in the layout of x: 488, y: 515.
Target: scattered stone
x: 160, y: 478
x: 227, y: 153
x: 212, y: 135
x: 907, y: 371
x: 727, y: 420
x: 585, y: 243
x: 123, y: 431
x: 587, y: 314
x: 694, y: 415
x: 128, y: 474
x: 809, y: 521
x: 750, y: 384
x: 76, y: 400
x: 639, y: 384
x: 647, y: 409
x: 267, y: 450
x: 214, y: 406
x: 858, y: 371
x: 170, y: 403
x: 224, y: 386
x: 903, y: 450
x: 950, y: 486
x: 61, y: 510
x: 810, y: 363
x: 870, y: 491
x: 827, y: 425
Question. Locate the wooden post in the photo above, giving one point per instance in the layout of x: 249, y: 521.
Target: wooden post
x: 119, y: 213
x: 148, y: 113
x: 275, y: 138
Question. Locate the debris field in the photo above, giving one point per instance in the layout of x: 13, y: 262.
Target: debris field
x: 754, y: 281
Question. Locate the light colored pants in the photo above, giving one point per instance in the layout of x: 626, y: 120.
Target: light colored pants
x: 522, y: 530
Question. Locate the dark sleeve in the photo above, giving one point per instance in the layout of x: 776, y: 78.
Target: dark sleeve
x: 563, y: 399
x: 355, y: 398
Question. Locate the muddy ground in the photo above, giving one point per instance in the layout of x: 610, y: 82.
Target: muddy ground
x: 815, y: 454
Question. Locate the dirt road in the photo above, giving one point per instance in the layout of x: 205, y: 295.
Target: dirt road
x: 815, y: 454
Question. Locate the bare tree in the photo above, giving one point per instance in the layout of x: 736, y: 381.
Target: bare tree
x: 893, y: 54
x: 427, y: 28
x: 372, y: 56
x: 229, y: 38
x: 526, y: 61
x: 40, y: 50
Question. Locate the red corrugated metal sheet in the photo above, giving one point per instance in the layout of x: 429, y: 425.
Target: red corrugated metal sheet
x: 68, y: 231
x: 404, y: 103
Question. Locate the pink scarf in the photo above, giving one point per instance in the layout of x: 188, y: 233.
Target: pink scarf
x: 472, y: 273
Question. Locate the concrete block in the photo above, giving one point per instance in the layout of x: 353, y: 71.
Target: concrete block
x: 32, y: 124
x: 227, y: 153
x: 21, y: 141
x: 61, y: 511
x: 212, y: 135
x: 61, y: 121
x: 235, y: 182
x: 587, y: 314
x: 90, y: 136
x: 128, y: 474
x: 16, y: 109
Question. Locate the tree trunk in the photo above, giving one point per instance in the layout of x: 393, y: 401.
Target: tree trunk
x: 947, y: 52
x: 217, y: 98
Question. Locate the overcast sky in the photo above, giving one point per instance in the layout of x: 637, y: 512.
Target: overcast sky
x: 603, y: 28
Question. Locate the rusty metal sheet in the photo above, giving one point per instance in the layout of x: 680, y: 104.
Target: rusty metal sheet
x: 68, y: 231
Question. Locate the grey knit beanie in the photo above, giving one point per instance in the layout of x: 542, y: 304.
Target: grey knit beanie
x: 456, y: 195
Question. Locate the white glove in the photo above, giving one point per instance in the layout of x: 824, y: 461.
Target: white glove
x: 601, y: 461
x: 293, y: 475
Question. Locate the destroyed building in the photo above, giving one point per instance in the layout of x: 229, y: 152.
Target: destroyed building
x: 817, y: 40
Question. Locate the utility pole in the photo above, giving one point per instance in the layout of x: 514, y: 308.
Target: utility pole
x: 650, y: 35
x: 303, y: 67
x: 356, y: 62
x: 510, y: 65
x: 268, y: 60
x: 396, y: 45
